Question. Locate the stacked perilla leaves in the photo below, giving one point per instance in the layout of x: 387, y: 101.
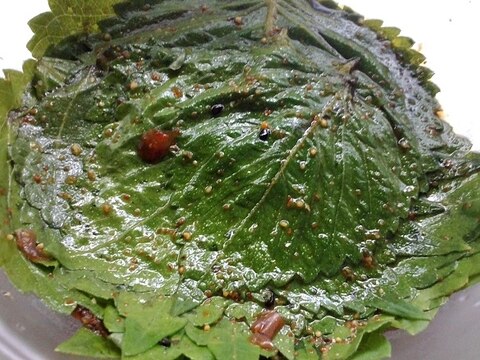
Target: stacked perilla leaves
x: 232, y: 179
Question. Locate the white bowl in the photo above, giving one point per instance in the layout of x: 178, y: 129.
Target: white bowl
x: 445, y: 31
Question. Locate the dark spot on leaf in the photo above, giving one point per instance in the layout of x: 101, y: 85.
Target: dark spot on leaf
x: 269, y: 298
x: 166, y: 342
x: 217, y: 109
x: 264, y: 134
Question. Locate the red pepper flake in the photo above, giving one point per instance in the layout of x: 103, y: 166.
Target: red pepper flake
x: 265, y: 328
x: 27, y: 243
x: 155, y: 145
x: 90, y: 321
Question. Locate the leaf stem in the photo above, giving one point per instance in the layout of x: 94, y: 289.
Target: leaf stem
x: 271, y: 17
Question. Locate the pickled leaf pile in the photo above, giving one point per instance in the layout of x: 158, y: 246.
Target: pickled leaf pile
x: 199, y: 178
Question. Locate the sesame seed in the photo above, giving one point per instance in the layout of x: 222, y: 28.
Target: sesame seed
x: 181, y: 221
x: 299, y: 203
x: 108, y: 133
x: 76, y: 149
x: 238, y: 20
x: 91, y: 175
x: 107, y: 208
x: 71, y: 180
x: 133, y: 85
x: 65, y: 196
x: 188, y: 155
x: 404, y: 144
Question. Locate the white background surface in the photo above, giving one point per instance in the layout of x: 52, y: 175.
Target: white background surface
x: 447, y: 32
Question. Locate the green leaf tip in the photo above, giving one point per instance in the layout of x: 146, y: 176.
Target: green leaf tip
x: 67, y: 18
